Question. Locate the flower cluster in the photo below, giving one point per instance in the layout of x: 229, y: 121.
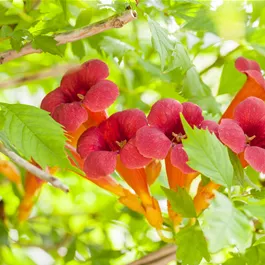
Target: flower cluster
x: 133, y: 144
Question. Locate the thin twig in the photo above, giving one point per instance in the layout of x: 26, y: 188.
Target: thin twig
x: 33, y: 169
x: 219, y: 61
x: 161, y: 257
x: 58, y: 70
x: 116, y: 21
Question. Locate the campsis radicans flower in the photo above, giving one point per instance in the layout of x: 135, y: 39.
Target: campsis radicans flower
x: 100, y: 146
x: 254, y: 85
x: 246, y: 132
x: 108, y: 183
x: 165, y: 131
x: 110, y: 146
x: 83, y: 91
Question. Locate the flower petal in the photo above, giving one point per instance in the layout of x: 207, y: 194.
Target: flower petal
x: 176, y: 178
x: 152, y: 143
x: 131, y: 157
x: 93, y: 71
x: 250, y: 68
x: 164, y: 115
x: 91, y: 140
x: 232, y: 135
x: 179, y: 159
x: 192, y: 113
x: 242, y: 64
x: 131, y: 121
x: 122, y: 126
x: 100, y: 163
x: 254, y: 86
x: 53, y: 100
x: 211, y: 126
x: 249, y: 114
x: 255, y: 157
x: 70, y: 115
x: 152, y: 171
x: 110, y: 184
x: 80, y: 79
x: 101, y: 95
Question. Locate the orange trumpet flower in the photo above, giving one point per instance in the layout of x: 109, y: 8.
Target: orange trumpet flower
x: 255, y: 87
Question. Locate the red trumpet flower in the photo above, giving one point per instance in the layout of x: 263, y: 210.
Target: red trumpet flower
x: 101, y: 145
x: 166, y: 132
x: 246, y: 132
x: 83, y: 91
x: 111, y: 146
x: 254, y: 86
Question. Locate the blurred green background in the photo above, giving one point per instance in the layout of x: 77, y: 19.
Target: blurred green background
x: 88, y: 225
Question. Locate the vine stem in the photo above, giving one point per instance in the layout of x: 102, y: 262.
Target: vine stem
x: 33, y: 169
x: 116, y: 21
x: 46, y: 73
x: 160, y: 257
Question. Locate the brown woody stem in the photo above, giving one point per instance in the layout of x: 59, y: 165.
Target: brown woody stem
x: 46, y: 73
x: 33, y: 169
x: 161, y: 257
x: 116, y: 21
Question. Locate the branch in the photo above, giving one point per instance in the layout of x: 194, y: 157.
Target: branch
x: 33, y: 169
x: 116, y: 21
x: 219, y: 61
x: 161, y: 257
x: 51, y: 72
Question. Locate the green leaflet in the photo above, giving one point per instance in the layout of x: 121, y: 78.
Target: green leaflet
x: 181, y: 202
x: 191, y: 240
x: 35, y: 134
x: 208, y: 155
x: 225, y: 226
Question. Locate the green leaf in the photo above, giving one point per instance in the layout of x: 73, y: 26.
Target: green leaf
x: 115, y: 47
x: 239, y: 174
x: 2, y: 120
x: 64, y: 7
x: 174, y: 55
x: 257, y: 210
x: 3, y: 234
x: 207, y: 103
x: 46, y: 44
x: 235, y: 261
x: 255, y: 255
x: 231, y: 79
x: 252, y: 178
x: 9, y: 20
x: 225, y: 226
x: 208, y: 155
x: 19, y: 38
x: 78, y: 49
x: 84, y: 18
x: 35, y: 134
x: 261, y: 240
x: 258, y: 194
x: 181, y: 202
x: 191, y: 240
x: 5, y: 31
x: 191, y: 81
x: 100, y: 256
x: 161, y: 42
x: 70, y: 251
x: 201, y: 22
x: 5, y: 141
